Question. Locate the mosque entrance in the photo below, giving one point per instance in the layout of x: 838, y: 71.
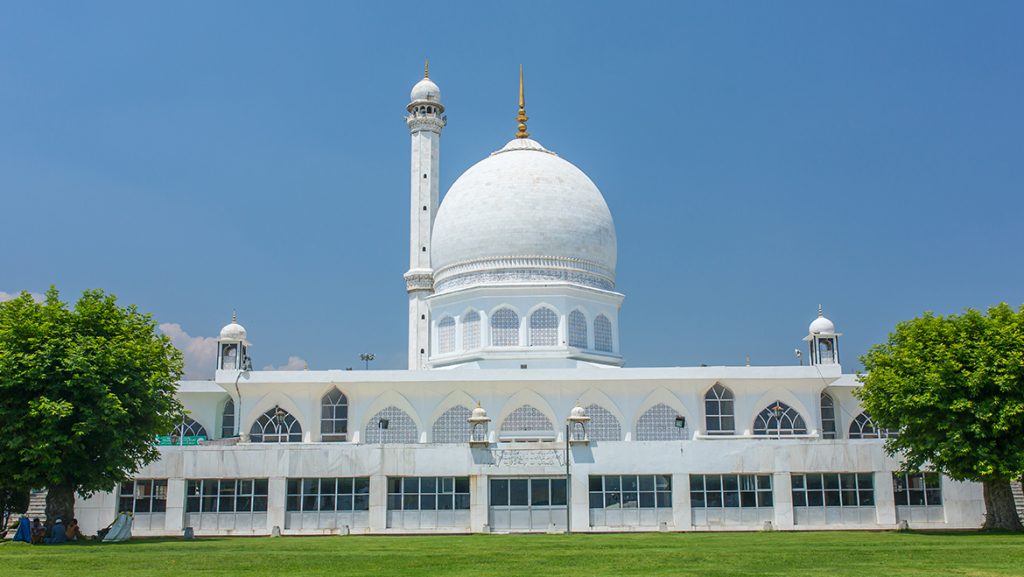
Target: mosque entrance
x: 528, y: 504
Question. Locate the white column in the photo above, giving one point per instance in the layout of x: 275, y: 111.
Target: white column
x: 479, y: 497
x: 378, y: 503
x: 580, y: 502
x: 174, y: 518
x: 782, y: 496
x: 682, y: 516
x: 277, y: 490
x: 885, y: 500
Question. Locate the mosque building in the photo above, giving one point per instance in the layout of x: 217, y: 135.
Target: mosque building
x: 516, y: 413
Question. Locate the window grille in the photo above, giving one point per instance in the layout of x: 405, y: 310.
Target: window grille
x: 833, y: 490
x: 276, y: 426
x: 730, y: 491
x: 630, y: 491
x: 543, y: 328
x: 471, y: 331
x: 446, y: 335
x: 401, y: 428
x: 779, y: 419
x: 227, y: 423
x: 189, y: 428
x: 603, y: 334
x: 333, y: 416
x: 225, y: 495
x: 659, y: 423
x: 918, y: 489
x: 828, y: 417
x: 527, y: 419
x: 505, y: 328
x: 864, y: 427
x: 603, y: 425
x: 718, y: 411
x: 428, y: 493
x: 332, y: 494
x: 578, y: 330
x: 452, y: 426
x: 143, y: 496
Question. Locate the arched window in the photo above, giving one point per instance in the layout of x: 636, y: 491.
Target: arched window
x: 471, y: 331
x: 828, y: 417
x: 452, y: 426
x: 718, y: 411
x: 391, y: 425
x: 527, y: 423
x: 578, y: 330
x: 227, y: 421
x: 276, y: 426
x: 864, y: 427
x: 446, y: 335
x: 505, y: 328
x: 779, y: 419
x: 603, y: 425
x: 603, y: 334
x: 189, y: 428
x: 661, y: 423
x: 333, y: 417
x: 543, y: 328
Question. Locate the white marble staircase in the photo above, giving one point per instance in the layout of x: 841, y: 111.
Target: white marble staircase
x: 1018, y: 498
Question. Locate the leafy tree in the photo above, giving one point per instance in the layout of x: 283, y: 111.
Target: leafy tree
x: 953, y: 387
x: 83, y: 393
x: 12, y: 500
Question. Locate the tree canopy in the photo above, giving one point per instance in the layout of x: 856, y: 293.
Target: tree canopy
x: 953, y: 388
x: 83, y: 394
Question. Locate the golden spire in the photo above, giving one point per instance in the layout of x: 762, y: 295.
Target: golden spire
x: 522, y: 118
x: 426, y: 68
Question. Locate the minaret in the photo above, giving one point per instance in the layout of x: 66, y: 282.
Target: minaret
x: 425, y: 121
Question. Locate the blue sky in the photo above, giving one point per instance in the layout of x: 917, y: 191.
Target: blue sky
x: 758, y: 158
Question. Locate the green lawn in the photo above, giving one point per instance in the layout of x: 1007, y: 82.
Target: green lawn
x: 708, y: 554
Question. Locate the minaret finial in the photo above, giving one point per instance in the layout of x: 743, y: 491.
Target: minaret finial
x: 234, y: 316
x: 821, y: 311
x: 426, y: 68
x: 522, y: 118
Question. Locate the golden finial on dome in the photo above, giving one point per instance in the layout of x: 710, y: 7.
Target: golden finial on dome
x: 522, y: 118
x: 426, y: 68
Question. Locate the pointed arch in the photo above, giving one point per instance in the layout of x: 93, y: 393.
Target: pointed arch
x: 603, y: 340
x: 650, y: 424
x: 827, y: 406
x: 333, y: 416
x: 267, y: 403
x: 446, y: 335
x: 227, y: 419
x: 189, y: 427
x: 276, y: 425
x: 778, y: 418
x: 470, y: 331
x: 605, y: 417
x: 445, y: 422
x: 578, y: 336
x: 391, y: 425
x: 505, y: 327
x: 864, y: 427
x: 543, y: 327
x: 378, y: 409
x: 523, y: 410
x: 719, y: 410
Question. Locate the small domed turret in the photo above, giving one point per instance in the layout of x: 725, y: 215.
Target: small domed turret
x: 821, y: 325
x: 233, y: 331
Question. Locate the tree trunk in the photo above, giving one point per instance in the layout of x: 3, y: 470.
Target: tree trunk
x: 1000, y: 510
x: 60, y: 503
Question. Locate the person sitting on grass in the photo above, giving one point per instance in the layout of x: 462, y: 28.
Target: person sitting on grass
x: 57, y: 534
x: 73, y: 533
x: 38, y: 531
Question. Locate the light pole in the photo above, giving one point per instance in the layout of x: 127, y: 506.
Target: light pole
x: 246, y: 367
x: 366, y: 358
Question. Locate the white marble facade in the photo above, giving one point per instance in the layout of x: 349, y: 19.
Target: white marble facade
x: 513, y: 319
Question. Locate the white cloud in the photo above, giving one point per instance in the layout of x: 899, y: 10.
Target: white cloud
x: 200, y: 352
x: 294, y: 364
x: 5, y: 296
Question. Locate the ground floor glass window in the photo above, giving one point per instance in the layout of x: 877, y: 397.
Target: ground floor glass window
x: 428, y: 493
x: 225, y: 495
x: 630, y: 491
x: 143, y: 496
x: 833, y: 490
x: 920, y: 489
x: 728, y: 491
x: 330, y: 494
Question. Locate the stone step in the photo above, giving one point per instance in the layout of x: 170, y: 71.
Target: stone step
x: 1018, y: 498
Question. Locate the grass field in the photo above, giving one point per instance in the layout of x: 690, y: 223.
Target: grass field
x: 709, y: 554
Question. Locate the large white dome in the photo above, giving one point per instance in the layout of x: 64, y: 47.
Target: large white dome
x: 523, y: 214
